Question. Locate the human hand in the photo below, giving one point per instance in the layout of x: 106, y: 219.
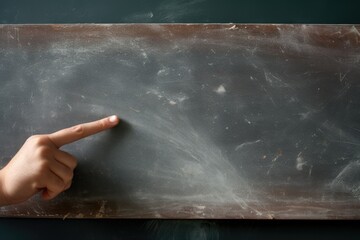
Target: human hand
x: 41, y: 166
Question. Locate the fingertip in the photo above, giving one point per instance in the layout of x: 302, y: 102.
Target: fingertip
x: 114, y: 120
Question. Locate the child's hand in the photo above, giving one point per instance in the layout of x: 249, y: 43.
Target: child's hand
x: 41, y: 166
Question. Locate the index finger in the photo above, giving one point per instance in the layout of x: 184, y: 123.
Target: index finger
x: 77, y: 132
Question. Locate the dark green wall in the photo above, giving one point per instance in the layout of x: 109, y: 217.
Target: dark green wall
x: 164, y: 11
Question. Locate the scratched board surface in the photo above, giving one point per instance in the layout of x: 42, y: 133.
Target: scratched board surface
x: 218, y: 121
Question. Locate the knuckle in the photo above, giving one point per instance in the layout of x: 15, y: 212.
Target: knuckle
x: 36, y: 140
x: 42, y: 168
x: 32, y: 138
x: 37, y: 184
x: 60, y: 185
x: 70, y: 175
x: 43, y: 151
x: 74, y: 164
x: 78, y: 129
x: 68, y: 185
x: 71, y: 162
x: 102, y: 123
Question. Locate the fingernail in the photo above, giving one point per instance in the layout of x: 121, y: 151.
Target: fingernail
x: 113, y: 119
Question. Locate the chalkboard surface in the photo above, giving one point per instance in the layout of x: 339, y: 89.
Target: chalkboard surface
x: 218, y: 121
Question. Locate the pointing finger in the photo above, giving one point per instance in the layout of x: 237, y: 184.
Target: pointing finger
x: 72, y: 134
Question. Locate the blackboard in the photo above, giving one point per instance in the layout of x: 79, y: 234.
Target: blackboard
x: 218, y: 121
